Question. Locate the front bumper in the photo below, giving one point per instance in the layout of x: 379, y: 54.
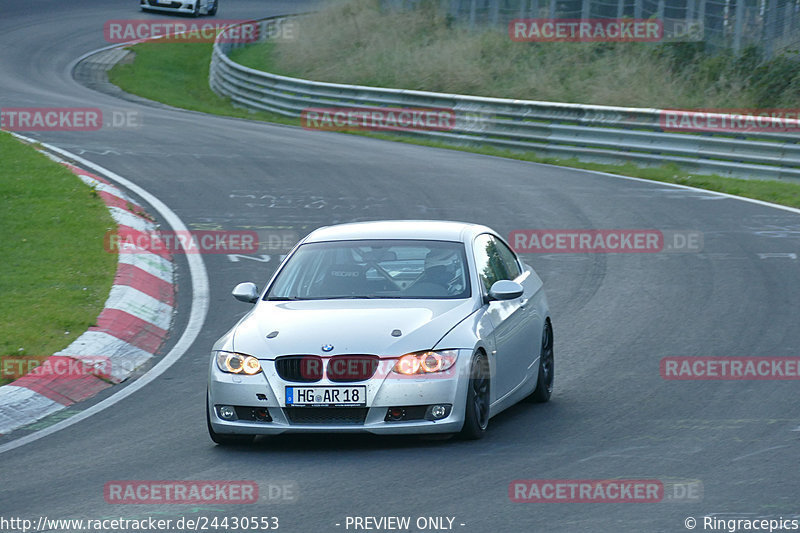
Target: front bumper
x: 182, y: 6
x: 266, y: 390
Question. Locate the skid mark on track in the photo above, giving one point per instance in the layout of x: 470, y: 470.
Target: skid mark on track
x: 758, y: 452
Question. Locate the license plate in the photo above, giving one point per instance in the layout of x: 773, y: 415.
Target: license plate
x: 326, y: 396
x: 164, y: 2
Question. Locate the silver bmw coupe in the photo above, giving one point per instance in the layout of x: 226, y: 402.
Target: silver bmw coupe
x: 189, y: 7
x: 386, y: 327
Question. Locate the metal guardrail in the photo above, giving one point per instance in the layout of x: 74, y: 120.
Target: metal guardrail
x: 592, y: 133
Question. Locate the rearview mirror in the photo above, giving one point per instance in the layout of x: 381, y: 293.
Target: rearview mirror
x: 505, y: 290
x: 246, y: 292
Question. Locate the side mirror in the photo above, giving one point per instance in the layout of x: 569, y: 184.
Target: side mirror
x: 246, y: 292
x: 505, y: 290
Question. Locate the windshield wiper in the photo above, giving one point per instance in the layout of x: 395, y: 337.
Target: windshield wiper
x: 360, y: 297
x: 341, y: 297
x: 351, y: 297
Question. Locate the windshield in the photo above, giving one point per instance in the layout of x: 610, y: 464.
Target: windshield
x: 374, y: 269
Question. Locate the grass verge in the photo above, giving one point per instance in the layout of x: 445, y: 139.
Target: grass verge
x: 55, y: 274
x: 177, y: 74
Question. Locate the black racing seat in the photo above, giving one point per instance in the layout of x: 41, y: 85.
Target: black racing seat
x: 344, y: 280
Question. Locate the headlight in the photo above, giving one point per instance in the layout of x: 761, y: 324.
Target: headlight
x: 236, y: 363
x: 426, y: 362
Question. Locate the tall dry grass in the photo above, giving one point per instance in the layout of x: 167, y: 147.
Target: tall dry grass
x: 356, y: 42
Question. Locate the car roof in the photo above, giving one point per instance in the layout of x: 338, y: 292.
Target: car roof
x: 428, y: 230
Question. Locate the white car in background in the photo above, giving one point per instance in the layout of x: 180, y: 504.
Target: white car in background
x: 391, y: 327
x: 189, y: 7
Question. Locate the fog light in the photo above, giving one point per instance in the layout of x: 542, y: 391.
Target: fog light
x: 437, y: 412
x: 226, y: 412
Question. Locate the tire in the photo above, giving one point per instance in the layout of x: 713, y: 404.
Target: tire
x: 476, y: 413
x: 544, y: 381
x: 225, y: 439
x: 213, y: 10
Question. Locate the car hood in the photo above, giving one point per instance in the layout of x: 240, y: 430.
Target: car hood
x: 351, y: 326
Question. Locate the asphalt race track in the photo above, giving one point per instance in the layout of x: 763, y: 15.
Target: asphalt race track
x: 615, y: 317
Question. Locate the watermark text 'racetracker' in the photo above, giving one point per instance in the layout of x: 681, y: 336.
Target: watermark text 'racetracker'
x: 604, y: 241
x: 378, y: 119
x: 66, y: 119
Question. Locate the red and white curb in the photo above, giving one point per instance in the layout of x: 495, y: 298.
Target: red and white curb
x: 131, y: 328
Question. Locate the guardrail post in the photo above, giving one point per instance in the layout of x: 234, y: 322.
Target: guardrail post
x: 770, y: 28
x: 620, y: 8
x: 552, y: 14
x: 637, y: 9
x: 473, y: 6
x: 787, y: 22
x: 586, y: 10
x: 737, y: 26
x: 455, y: 8
x: 701, y: 16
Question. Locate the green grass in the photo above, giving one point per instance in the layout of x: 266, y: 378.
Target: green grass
x: 260, y: 56
x: 177, y: 74
x: 55, y: 274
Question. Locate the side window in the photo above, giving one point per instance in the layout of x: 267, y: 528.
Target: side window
x: 509, y: 260
x: 494, y: 260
